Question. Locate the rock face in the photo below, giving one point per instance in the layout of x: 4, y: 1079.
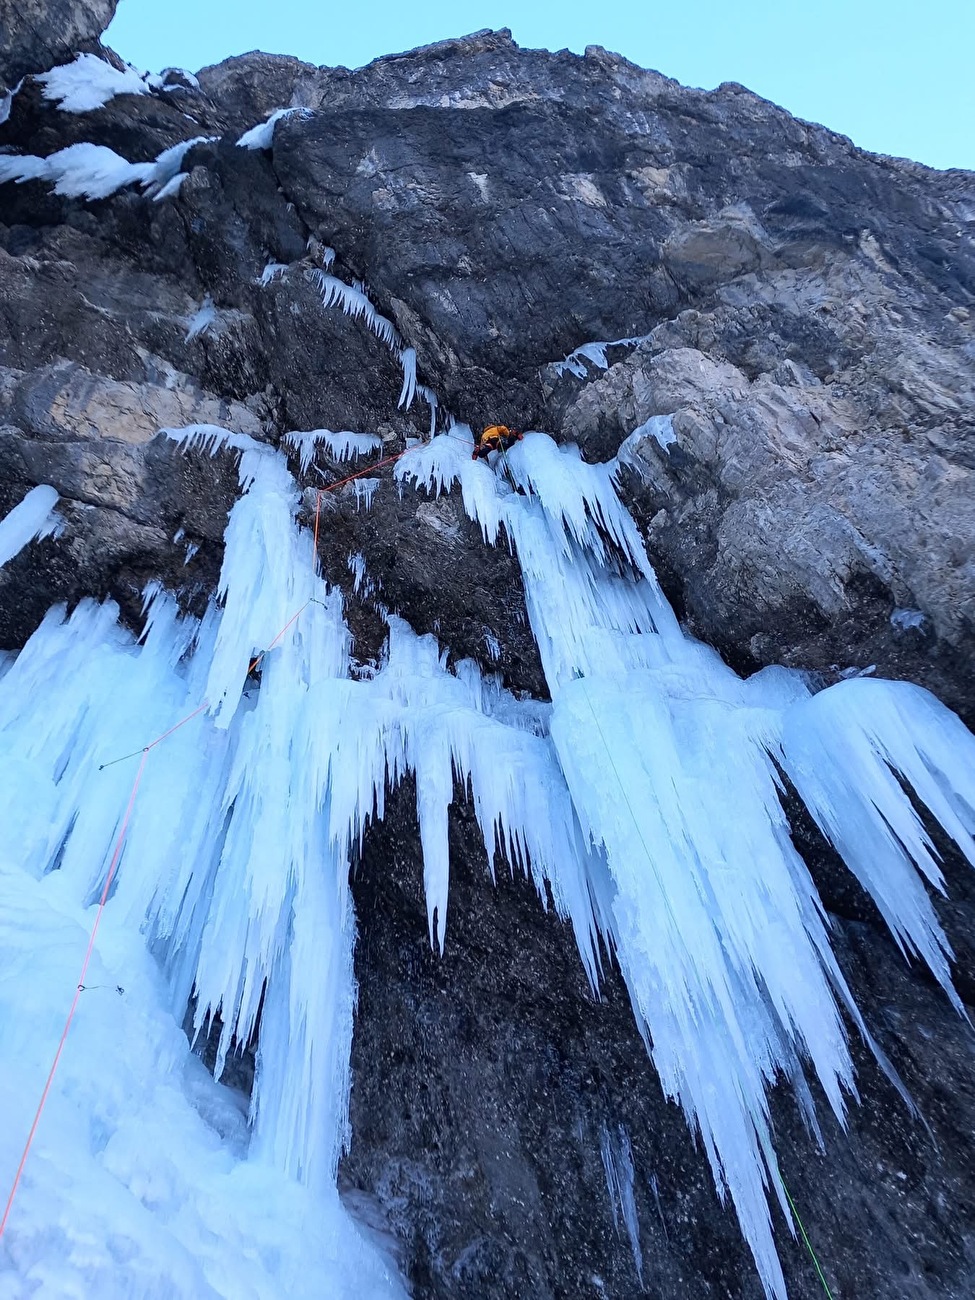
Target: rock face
x: 793, y: 331
x: 806, y: 311
x: 35, y: 36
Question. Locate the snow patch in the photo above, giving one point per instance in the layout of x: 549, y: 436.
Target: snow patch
x: 262, y: 135
x: 201, y: 320
x: 273, y: 271
x: 903, y: 619
x: 93, y: 171
x: 658, y: 427
x: 89, y: 83
x: 595, y: 353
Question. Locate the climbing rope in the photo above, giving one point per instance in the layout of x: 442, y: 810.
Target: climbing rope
x: 81, y: 987
x: 812, y: 1253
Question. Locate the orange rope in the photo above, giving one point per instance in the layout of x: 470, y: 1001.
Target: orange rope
x: 81, y: 980
x: 368, y: 470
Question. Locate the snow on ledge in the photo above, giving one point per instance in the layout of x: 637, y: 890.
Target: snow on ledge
x: 93, y: 171
x: 89, y: 83
x: 201, y: 320
x: 594, y: 353
x: 262, y: 135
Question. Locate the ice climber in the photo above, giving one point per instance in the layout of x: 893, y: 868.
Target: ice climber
x: 496, y: 437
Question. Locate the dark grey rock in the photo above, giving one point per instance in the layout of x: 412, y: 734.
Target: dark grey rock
x: 36, y: 35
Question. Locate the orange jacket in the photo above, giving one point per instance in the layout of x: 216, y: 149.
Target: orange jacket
x: 496, y: 437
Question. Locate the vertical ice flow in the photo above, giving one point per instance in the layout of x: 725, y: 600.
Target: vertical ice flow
x: 670, y: 763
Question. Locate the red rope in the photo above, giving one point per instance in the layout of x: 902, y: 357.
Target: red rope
x: 368, y: 470
x: 81, y: 979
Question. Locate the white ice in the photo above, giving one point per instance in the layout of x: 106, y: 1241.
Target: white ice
x: 644, y: 800
x: 201, y: 320
x: 340, y: 446
x: 262, y: 135
x: 33, y: 518
x: 88, y: 83
x: 670, y: 762
x: 94, y: 171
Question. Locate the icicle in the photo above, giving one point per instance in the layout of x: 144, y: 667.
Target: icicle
x: 618, y: 1163
x: 339, y: 446
x: 878, y: 730
x: 32, y: 519
x: 430, y: 397
x: 408, y: 362
x: 354, y: 301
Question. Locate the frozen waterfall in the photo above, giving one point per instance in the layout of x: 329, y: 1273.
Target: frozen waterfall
x: 645, y: 800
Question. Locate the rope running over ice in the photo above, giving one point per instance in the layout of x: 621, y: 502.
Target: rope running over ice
x: 117, y: 852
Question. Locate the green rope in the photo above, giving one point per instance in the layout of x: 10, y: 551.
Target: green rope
x: 812, y: 1253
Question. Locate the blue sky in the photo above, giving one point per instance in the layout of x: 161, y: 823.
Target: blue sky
x: 894, y: 75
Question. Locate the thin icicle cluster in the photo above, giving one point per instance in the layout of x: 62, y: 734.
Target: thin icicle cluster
x: 355, y: 302
x: 339, y: 446
x: 617, y: 1155
x: 211, y: 438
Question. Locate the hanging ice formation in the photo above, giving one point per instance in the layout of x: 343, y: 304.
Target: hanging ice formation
x: 644, y: 799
